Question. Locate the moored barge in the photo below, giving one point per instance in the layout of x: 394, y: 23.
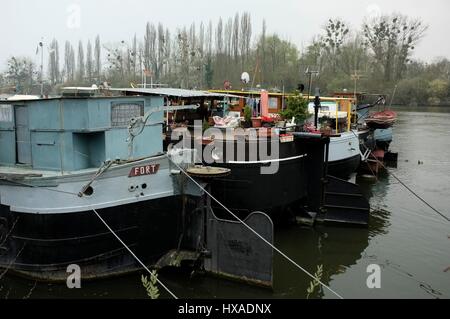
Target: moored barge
x: 64, y: 157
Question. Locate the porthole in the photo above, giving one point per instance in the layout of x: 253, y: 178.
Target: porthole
x: 88, y: 191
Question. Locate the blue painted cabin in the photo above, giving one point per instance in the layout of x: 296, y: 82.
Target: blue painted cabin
x: 75, y: 133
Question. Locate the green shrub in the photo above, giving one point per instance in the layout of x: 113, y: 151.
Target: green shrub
x: 296, y: 106
x: 247, y: 114
x: 205, y: 126
x: 151, y: 286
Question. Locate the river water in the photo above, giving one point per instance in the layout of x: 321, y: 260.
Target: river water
x: 406, y: 239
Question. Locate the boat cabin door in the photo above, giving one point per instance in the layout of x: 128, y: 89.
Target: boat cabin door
x: 23, y: 137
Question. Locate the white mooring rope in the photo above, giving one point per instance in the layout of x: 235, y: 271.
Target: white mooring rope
x: 224, y: 207
x: 135, y: 257
x: 255, y: 232
x: 107, y: 226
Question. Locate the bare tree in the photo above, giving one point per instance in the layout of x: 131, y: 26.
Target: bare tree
x: 201, y: 39
x: 209, y: 39
x: 89, y: 63
x: 192, y: 36
x: 72, y: 62
x: 69, y: 62
x: 21, y: 74
x: 150, y: 49
x: 392, y: 39
x: 134, y: 55
x: 336, y: 32
x: 168, y: 51
x: 228, y: 35
x: 160, y: 58
x: 263, y: 49
x: 81, y: 64
x: 53, y: 63
x: 207, y: 54
x: 147, y: 46
x: 98, y: 58
x: 246, y: 35
x: 184, y: 58
x: 235, y: 39
x: 219, y: 37
x: 126, y: 55
x: 353, y: 56
x: 57, y: 63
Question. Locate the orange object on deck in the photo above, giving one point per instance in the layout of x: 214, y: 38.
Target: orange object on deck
x: 264, y: 103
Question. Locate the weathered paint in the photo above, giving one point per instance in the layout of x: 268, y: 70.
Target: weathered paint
x: 71, y: 134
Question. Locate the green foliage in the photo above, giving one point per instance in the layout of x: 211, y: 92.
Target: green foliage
x: 339, y: 83
x: 316, y: 282
x: 247, y: 114
x: 438, y: 88
x: 279, y: 63
x: 151, y: 285
x: 296, y: 106
x: 205, y: 126
x: 413, y: 91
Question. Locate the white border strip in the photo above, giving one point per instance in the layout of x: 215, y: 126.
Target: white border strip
x: 268, y: 161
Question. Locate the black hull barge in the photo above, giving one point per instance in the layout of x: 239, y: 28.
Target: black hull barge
x: 41, y: 247
x: 297, y: 188
x: 64, y: 160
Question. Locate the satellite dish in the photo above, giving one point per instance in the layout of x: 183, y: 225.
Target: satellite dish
x: 245, y: 78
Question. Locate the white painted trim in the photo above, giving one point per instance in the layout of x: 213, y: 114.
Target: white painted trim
x: 89, y: 207
x: 268, y: 161
x: 344, y: 147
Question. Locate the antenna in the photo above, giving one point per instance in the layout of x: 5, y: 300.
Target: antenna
x: 310, y: 74
x: 355, y: 77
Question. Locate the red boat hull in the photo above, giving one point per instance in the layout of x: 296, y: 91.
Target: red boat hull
x: 381, y: 120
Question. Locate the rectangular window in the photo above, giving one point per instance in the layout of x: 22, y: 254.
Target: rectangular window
x: 6, y: 113
x: 122, y: 113
x: 273, y: 103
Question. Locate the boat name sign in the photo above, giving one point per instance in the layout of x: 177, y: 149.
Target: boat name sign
x: 150, y: 169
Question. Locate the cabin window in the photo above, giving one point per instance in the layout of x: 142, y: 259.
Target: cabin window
x: 122, y: 113
x: 6, y: 113
x: 273, y: 103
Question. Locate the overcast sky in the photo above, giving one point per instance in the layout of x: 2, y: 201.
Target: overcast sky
x: 24, y: 22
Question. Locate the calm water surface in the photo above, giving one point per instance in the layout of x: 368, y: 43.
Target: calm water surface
x: 407, y: 239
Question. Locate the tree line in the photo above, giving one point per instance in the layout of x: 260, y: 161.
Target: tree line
x: 377, y: 57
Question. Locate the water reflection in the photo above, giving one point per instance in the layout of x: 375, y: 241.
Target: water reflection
x: 375, y: 191
x: 404, y: 237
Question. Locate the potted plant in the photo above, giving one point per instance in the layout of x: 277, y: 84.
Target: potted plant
x: 205, y: 126
x: 256, y: 122
x: 296, y: 107
x: 247, y: 117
